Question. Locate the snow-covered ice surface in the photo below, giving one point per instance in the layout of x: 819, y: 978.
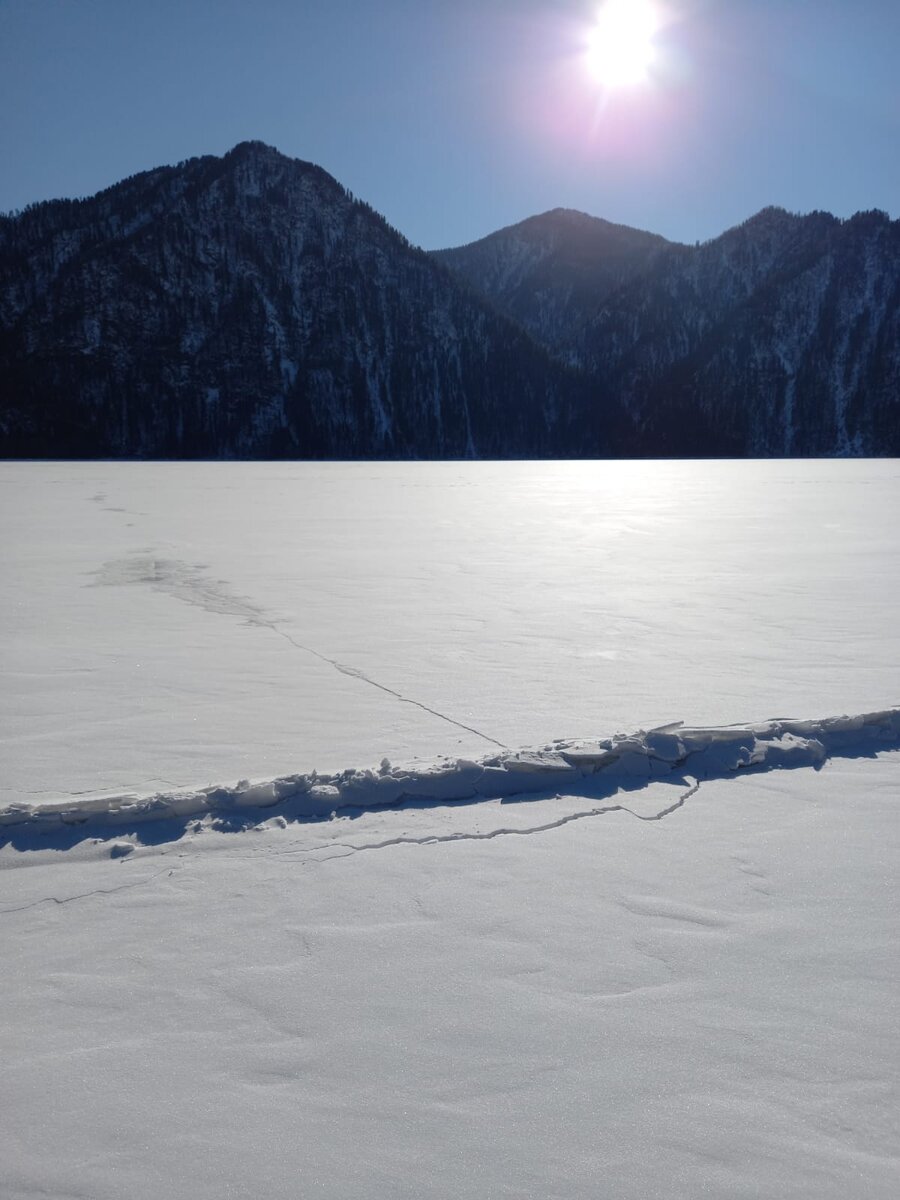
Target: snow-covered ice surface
x: 399, y: 1004
x: 659, y: 962
x: 181, y: 625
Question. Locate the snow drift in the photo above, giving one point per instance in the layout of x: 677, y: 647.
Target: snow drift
x: 569, y: 767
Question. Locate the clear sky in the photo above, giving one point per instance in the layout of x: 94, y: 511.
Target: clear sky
x: 457, y: 117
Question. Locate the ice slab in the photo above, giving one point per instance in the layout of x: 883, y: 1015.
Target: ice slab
x: 579, y: 767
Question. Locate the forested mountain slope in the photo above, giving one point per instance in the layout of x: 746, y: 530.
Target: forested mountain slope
x: 781, y: 337
x: 249, y: 306
x: 552, y: 272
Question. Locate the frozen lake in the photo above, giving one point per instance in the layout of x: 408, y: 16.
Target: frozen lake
x: 531, y: 978
x: 195, y: 623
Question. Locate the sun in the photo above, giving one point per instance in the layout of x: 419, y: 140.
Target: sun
x: 620, y: 49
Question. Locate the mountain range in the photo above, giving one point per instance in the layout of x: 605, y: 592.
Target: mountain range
x: 250, y: 306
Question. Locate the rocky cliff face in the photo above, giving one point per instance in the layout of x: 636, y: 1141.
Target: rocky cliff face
x: 781, y: 337
x: 248, y: 306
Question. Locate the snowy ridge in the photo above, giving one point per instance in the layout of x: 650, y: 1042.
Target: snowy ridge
x: 570, y: 767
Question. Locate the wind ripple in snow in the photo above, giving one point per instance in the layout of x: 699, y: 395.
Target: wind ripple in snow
x: 567, y: 767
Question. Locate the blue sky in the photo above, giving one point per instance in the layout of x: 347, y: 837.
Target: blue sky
x: 456, y: 117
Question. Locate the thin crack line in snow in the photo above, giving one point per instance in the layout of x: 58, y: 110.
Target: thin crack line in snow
x: 182, y: 582
x: 123, y: 887
x: 355, y: 673
x: 434, y: 839
x: 84, y: 791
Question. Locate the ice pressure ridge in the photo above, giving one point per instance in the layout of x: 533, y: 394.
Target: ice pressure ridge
x: 563, y: 766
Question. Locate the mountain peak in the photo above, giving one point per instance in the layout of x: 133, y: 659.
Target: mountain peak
x: 570, y: 260
x: 774, y: 218
x: 246, y: 305
x: 575, y: 219
x: 254, y: 150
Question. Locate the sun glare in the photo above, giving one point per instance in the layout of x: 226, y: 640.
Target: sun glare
x: 620, y: 48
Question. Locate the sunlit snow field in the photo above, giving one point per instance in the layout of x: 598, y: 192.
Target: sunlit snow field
x: 189, y: 624
x: 682, y: 982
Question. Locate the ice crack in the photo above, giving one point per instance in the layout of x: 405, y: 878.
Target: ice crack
x: 355, y: 673
x: 508, y: 831
x: 60, y: 900
x: 191, y: 584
